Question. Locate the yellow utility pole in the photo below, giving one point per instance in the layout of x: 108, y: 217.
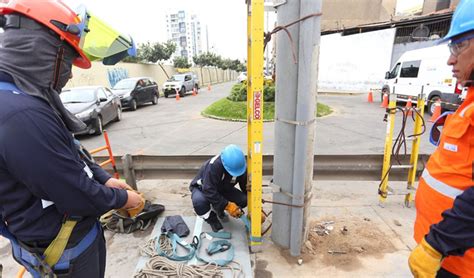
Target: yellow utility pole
x: 255, y: 31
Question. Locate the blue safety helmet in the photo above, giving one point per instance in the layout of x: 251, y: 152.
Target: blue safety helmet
x: 233, y: 160
x: 463, y: 20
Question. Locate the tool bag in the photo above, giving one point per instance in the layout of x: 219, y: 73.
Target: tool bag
x: 116, y: 222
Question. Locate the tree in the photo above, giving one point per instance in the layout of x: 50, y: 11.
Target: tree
x: 207, y: 59
x: 153, y: 52
x: 181, y: 62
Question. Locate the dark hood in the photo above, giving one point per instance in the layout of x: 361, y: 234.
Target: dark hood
x: 29, y: 57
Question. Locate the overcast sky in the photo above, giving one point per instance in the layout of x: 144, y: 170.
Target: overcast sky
x: 145, y: 20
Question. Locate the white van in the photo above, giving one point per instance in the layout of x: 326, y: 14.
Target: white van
x: 427, y: 68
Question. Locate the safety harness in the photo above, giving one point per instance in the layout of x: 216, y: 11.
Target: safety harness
x: 168, y: 243
x: 56, y: 256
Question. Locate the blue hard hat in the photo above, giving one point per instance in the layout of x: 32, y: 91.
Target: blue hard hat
x: 233, y: 160
x: 463, y: 20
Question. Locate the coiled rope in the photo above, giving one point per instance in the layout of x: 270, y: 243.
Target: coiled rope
x: 159, y: 266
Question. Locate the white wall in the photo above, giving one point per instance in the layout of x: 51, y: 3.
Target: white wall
x: 355, y: 62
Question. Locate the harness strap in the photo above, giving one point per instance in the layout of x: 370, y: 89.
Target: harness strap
x: 217, y: 246
x: 10, y: 87
x: 175, y: 242
x: 57, y: 246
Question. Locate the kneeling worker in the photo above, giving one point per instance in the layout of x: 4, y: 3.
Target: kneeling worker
x: 214, y: 186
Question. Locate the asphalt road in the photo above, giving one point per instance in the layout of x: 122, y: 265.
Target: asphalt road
x: 177, y: 128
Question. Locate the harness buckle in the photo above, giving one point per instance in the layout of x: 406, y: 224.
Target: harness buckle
x: 194, y: 244
x: 221, y: 248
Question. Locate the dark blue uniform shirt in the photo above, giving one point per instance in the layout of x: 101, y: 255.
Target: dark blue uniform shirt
x: 42, y: 177
x: 215, y: 179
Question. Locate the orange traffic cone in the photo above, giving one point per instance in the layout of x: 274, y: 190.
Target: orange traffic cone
x: 194, y: 92
x: 436, y: 112
x: 385, y: 101
x: 209, y: 87
x: 370, y: 97
x: 408, y: 107
x: 177, y: 95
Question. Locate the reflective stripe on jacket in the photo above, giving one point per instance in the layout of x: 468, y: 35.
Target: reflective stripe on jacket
x: 448, y: 173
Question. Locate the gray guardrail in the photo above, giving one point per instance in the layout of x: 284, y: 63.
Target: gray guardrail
x: 326, y: 167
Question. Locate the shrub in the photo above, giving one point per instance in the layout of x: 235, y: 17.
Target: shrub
x: 239, y: 92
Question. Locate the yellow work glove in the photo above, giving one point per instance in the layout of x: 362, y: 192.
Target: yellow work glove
x: 424, y: 261
x: 234, y: 210
x: 132, y: 212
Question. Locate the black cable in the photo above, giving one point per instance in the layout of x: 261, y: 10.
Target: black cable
x: 400, y: 141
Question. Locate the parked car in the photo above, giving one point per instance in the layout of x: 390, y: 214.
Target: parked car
x: 425, y: 68
x: 196, y: 81
x: 180, y: 82
x: 137, y: 91
x: 242, y: 77
x: 95, y: 106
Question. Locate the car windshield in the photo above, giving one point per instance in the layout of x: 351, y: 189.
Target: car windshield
x: 177, y: 78
x: 78, y: 96
x: 125, y: 84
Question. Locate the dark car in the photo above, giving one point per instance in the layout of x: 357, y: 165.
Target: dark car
x: 95, y: 106
x: 136, y: 91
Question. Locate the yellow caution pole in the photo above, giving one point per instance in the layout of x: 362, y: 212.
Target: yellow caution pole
x: 255, y: 31
x: 391, y: 111
x: 415, y: 149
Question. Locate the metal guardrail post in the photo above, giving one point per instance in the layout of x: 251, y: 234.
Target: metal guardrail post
x: 129, y: 171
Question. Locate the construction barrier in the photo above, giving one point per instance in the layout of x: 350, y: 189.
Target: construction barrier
x: 111, y: 159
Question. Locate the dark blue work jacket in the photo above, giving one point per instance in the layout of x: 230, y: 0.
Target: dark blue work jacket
x: 42, y: 177
x: 212, y: 179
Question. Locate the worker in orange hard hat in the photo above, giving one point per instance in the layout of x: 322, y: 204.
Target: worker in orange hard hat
x: 444, y: 227
x: 50, y: 195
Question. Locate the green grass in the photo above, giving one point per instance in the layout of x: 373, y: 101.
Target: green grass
x: 230, y: 110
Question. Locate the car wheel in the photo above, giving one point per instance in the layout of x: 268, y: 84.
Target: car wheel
x: 182, y: 91
x: 430, y: 106
x: 119, y: 114
x: 155, y: 100
x: 133, y: 105
x: 166, y: 95
x: 99, y: 126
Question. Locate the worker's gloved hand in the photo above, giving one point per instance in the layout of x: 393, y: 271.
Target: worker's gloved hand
x: 119, y: 184
x: 234, y: 210
x: 424, y: 260
x: 135, y: 204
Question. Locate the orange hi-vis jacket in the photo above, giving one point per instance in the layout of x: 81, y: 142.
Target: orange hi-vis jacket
x: 448, y: 173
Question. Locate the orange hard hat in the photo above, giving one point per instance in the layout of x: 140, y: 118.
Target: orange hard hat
x: 55, y: 15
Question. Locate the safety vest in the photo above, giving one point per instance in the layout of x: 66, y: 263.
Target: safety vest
x: 448, y: 173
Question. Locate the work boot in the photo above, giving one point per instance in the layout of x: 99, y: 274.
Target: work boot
x: 223, y: 216
x: 214, y: 222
